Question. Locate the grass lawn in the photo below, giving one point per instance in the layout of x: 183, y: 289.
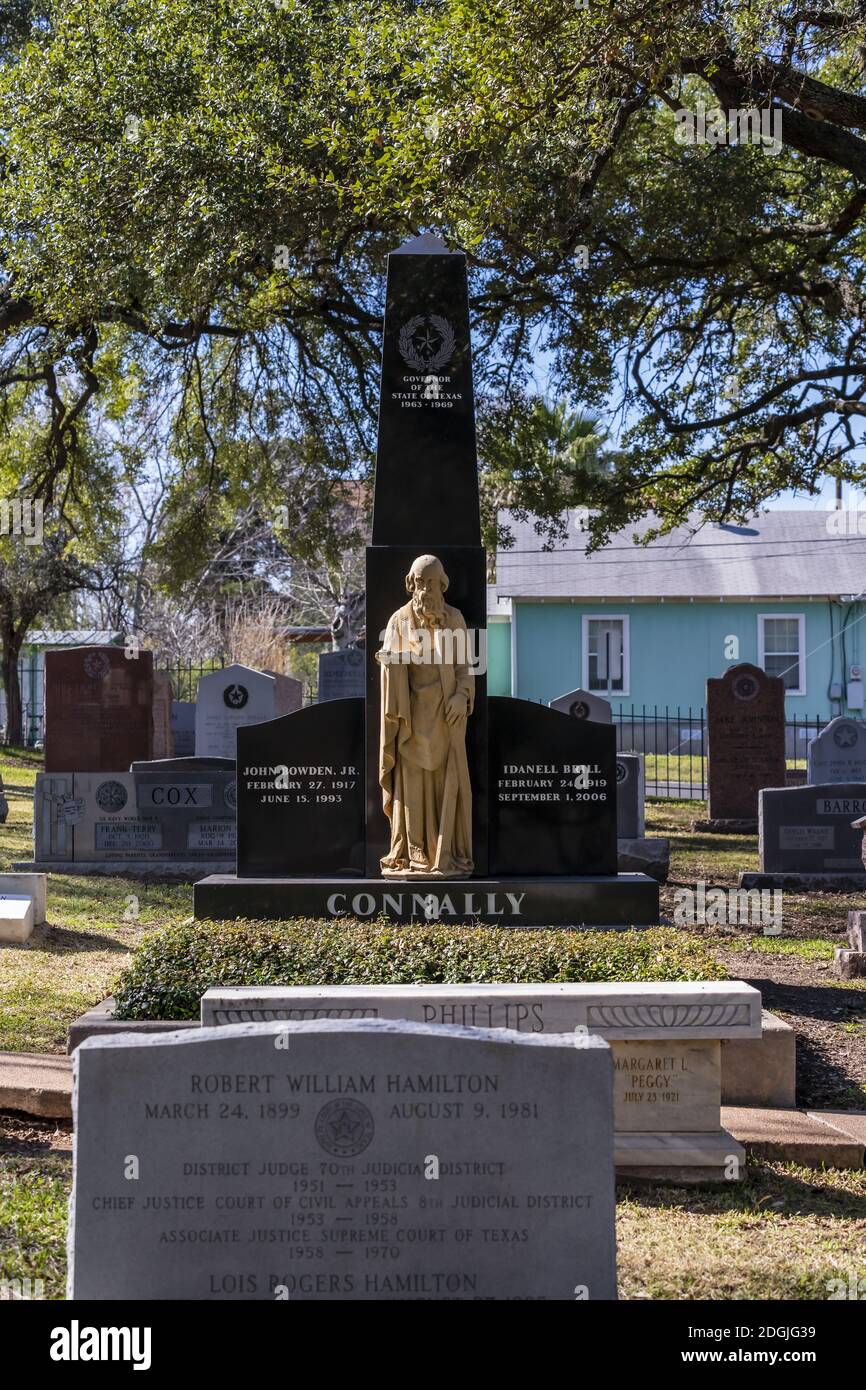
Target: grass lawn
x: 71, y: 963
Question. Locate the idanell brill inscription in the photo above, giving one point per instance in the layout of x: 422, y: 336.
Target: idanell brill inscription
x: 343, y: 1160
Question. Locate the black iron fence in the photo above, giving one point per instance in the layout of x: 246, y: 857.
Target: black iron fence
x: 673, y: 740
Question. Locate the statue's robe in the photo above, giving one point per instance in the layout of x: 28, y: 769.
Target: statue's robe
x: 423, y: 769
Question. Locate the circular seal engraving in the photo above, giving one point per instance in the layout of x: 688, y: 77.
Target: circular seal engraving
x: 111, y: 796
x: 355, y: 658
x: 96, y: 666
x: 845, y: 736
x: 230, y: 794
x: 427, y: 343
x: 235, y: 696
x: 579, y: 709
x: 344, y: 1127
x: 745, y: 687
x: 621, y: 771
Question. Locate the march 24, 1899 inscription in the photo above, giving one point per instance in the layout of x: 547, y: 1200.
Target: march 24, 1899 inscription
x: 343, y: 1160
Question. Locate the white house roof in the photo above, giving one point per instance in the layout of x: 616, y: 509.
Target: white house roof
x: 778, y: 554
x: 73, y: 637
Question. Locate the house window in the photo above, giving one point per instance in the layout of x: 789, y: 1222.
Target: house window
x: 781, y: 648
x: 605, y: 654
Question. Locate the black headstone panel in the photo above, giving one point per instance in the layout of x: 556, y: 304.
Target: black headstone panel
x: 426, y: 467
x: 552, y: 786
x: 387, y: 568
x: 301, y: 793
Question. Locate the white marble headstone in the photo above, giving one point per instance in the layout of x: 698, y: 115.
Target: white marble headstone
x: 838, y: 754
x: 337, y: 1161
x: 239, y: 695
x: 582, y: 704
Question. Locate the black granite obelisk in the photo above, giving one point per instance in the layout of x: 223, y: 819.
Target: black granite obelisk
x: 426, y: 493
x: 312, y: 830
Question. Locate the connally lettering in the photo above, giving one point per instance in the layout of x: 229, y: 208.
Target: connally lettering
x: 427, y: 906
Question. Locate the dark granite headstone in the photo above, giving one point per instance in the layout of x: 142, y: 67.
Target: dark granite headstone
x: 98, y: 709
x: 341, y: 674
x: 630, y: 814
x: 183, y: 727
x: 163, y: 738
x: 555, y: 857
x: 552, y: 791
x: 301, y: 793
x: 808, y: 830
x: 746, y: 734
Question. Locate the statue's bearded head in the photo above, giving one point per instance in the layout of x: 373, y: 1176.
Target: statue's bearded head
x: 427, y: 582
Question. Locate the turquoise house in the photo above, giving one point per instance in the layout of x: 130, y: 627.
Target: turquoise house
x: 645, y: 626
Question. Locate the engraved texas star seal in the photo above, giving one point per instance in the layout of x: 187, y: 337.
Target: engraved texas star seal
x: 344, y: 1127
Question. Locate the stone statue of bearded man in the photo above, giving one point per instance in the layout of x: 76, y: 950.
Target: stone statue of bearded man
x: 428, y: 691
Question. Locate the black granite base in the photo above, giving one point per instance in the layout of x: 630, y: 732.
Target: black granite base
x: 617, y: 901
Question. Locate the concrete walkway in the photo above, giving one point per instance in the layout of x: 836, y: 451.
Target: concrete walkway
x: 36, y: 1084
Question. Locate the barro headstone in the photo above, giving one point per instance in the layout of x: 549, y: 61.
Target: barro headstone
x: 809, y: 830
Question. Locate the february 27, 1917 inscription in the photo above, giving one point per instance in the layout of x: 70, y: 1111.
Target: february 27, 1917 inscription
x: 336, y: 1160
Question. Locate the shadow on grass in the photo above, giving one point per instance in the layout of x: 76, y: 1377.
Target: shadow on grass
x: 68, y: 940
x: 762, y: 1190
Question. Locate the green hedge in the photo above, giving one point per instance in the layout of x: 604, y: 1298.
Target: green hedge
x: 172, y: 968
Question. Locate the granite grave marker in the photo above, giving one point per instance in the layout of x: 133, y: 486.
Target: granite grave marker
x: 236, y: 1130
x: 838, y: 754
x: 443, y: 837
x: 582, y: 704
x: 98, y: 709
x: 807, y: 833
x: 746, y: 742
x: 341, y: 674
x: 235, y: 697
